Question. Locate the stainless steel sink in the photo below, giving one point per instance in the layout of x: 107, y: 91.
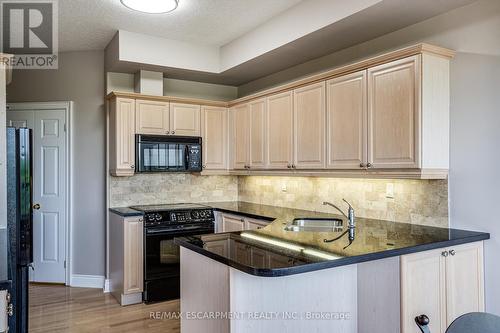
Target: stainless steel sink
x: 315, y: 224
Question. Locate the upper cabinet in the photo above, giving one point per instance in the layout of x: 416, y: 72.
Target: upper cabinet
x: 240, y: 137
x: 386, y: 116
x: 394, y: 114
x: 279, y: 131
x: 214, y: 129
x: 257, y: 132
x: 309, y: 118
x: 185, y: 119
x: 152, y: 117
x: 346, y: 121
x: 122, y: 136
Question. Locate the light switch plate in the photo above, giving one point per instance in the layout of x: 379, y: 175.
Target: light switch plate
x: 389, y: 191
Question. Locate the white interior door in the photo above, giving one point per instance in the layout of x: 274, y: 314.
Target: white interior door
x: 49, y: 190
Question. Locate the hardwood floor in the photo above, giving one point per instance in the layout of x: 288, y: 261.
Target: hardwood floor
x: 74, y: 310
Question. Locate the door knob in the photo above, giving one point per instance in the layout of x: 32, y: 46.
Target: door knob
x: 452, y: 252
x: 444, y: 253
x: 37, y: 206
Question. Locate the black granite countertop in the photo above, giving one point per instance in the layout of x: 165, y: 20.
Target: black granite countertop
x: 126, y: 211
x: 288, y: 252
x: 4, y: 250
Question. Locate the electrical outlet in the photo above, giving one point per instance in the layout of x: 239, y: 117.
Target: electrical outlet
x: 283, y: 187
x: 389, y: 191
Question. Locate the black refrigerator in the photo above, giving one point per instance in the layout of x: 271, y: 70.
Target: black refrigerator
x: 19, y: 222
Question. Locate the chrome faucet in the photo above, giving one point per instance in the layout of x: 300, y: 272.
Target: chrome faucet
x: 350, y: 217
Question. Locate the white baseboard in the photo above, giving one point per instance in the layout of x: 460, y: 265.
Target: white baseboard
x: 87, y: 281
x: 107, y: 286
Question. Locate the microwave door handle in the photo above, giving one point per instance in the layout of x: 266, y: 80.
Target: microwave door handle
x: 186, y: 147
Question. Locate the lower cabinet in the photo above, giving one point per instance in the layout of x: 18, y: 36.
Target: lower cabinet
x: 232, y: 222
x: 126, y: 258
x: 442, y: 284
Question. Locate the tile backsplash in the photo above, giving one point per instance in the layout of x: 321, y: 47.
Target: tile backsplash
x: 410, y: 201
x: 145, y: 189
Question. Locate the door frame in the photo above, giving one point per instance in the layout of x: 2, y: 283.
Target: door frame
x: 67, y: 106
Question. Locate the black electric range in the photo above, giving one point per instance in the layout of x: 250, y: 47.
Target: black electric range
x: 162, y: 223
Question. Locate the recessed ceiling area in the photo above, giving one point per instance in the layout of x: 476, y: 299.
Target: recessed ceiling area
x: 253, y: 55
x: 90, y: 25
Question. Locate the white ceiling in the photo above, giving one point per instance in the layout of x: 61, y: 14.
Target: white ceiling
x: 91, y: 24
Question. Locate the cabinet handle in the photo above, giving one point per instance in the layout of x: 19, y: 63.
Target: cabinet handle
x: 168, y: 132
x: 132, y: 166
x: 293, y: 166
x: 242, y: 220
x: 444, y: 253
x: 369, y: 165
x: 140, y: 220
x: 361, y: 165
x: 452, y: 252
x: 288, y: 166
x: 173, y: 132
x: 204, y: 166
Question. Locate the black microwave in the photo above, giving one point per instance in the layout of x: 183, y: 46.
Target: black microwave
x: 162, y: 153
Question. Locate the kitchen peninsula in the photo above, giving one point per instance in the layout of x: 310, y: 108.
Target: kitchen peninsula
x: 376, y: 284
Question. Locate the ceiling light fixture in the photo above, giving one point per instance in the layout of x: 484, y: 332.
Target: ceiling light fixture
x: 151, y: 6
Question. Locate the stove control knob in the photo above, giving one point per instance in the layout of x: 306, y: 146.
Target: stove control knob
x: 150, y: 217
x: 196, y: 214
x: 158, y: 217
x: 173, y: 217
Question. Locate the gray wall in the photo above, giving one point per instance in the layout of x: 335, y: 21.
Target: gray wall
x: 80, y: 78
x: 474, y: 184
x: 475, y: 157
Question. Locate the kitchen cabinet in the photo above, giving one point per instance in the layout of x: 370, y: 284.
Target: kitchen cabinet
x: 309, y: 119
x: 279, y: 131
x: 233, y: 222
x: 240, y: 135
x: 126, y: 258
x: 242, y: 252
x: 257, y: 132
x: 394, y: 114
x: 253, y: 224
x: 133, y: 256
x: 185, y: 119
x: 152, y: 117
x: 346, y: 121
x: 122, y: 136
x: 258, y: 257
x: 214, y: 133
x: 442, y: 284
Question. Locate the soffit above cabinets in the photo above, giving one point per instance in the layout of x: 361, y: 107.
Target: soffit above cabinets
x: 271, y: 46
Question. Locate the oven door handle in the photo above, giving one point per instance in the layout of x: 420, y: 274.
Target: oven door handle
x: 174, y: 231
x: 186, y: 157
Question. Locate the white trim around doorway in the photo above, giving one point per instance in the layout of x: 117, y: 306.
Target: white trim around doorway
x: 68, y: 107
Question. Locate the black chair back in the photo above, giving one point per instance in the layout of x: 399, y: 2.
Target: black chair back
x: 474, y: 322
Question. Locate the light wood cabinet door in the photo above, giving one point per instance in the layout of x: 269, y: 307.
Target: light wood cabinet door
x: 214, y: 131
x: 240, y: 135
x: 253, y: 224
x: 257, y: 116
x: 346, y: 122
x: 279, y: 131
x: 423, y: 286
x: 232, y: 223
x: 309, y: 126
x: 394, y: 114
x: 184, y: 119
x: 132, y: 255
x: 464, y: 280
x: 152, y: 117
x: 122, y: 136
